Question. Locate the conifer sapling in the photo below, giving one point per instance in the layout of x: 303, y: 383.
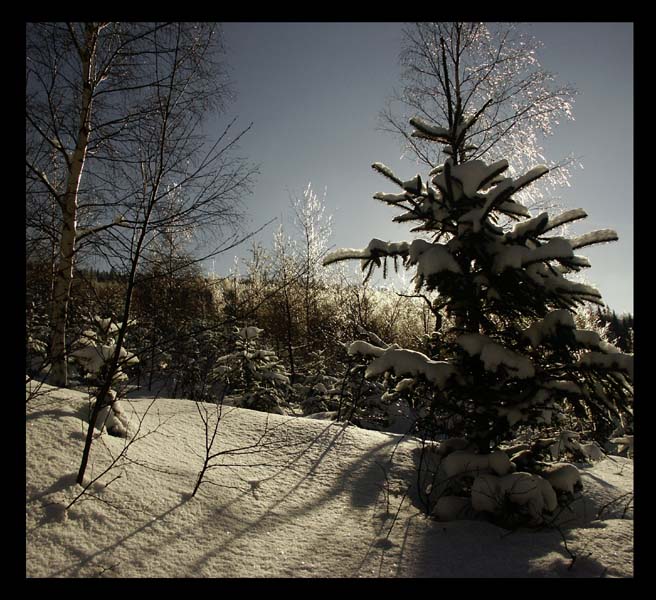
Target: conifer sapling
x: 514, y: 354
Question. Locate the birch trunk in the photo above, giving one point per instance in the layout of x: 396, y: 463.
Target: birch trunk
x: 65, y: 263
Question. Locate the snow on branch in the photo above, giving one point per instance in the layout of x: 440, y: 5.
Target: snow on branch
x: 566, y: 217
x: 249, y: 333
x: 473, y: 175
x: 594, y: 237
x: 591, y: 339
x: 493, y: 355
x: 517, y: 256
x: 500, y: 194
x: 564, y: 286
x: 548, y: 327
x: 365, y: 349
x: 391, y: 198
x: 430, y: 132
x: 387, y: 172
x: 414, y: 185
x: 577, y: 262
x: 411, y: 363
x: 530, y: 227
x: 618, y: 362
x: 372, y: 337
x: 431, y: 258
x: 374, y: 250
x: 558, y: 284
x: 512, y: 207
x: 343, y: 254
x: 529, y: 177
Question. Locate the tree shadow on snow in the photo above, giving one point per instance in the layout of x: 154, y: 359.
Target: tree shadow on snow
x: 81, y: 412
x: 74, y: 570
x: 475, y: 547
x: 360, y: 482
x: 61, y: 484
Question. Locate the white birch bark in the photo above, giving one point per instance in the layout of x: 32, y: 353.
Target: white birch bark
x: 69, y: 204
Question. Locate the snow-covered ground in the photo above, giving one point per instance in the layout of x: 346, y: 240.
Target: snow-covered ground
x: 315, y: 499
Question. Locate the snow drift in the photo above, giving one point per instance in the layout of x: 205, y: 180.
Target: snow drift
x: 316, y: 499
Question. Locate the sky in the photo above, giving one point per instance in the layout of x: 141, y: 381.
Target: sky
x: 313, y: 92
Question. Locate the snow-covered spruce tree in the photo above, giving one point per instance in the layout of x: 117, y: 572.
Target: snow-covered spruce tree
x: 254, y: 371
x: 93, y: 351
x: 92, y: 357
x: 514, y: 355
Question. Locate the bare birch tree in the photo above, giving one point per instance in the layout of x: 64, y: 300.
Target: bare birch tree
x: 89, y: 92
x: 483, y: 82
x: 167, y: 174
x: 73, y: 73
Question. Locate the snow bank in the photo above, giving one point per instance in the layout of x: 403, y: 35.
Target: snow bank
x: 562, y: 476
x: 452, y: 508
x: 524, y: 489
x: 463, y: 462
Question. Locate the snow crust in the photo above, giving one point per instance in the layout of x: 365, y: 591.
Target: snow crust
x: 562, y: 476
x: 313, y: 502
x: 489, y: 491
x: 463, y: 461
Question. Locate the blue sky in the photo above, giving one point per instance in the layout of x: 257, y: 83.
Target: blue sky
x: 314, y: 90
